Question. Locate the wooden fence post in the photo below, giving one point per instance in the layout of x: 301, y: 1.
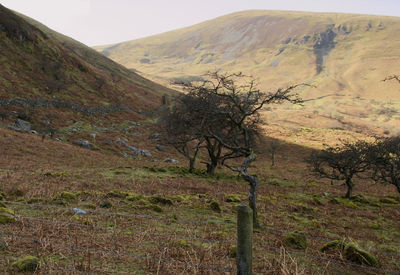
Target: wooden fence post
x: 244, y: 240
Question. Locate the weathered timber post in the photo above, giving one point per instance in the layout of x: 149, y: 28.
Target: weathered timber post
x: 244, y: 240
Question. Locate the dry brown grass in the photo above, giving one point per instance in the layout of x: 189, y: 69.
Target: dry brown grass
x: 289, y: 199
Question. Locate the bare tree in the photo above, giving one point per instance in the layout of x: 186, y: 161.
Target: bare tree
x: 393, y: 77
x: 181, y: 129
x: 224, y: 111
x: 273, y: 147
x: 384, y: 157
x: 341, y: 162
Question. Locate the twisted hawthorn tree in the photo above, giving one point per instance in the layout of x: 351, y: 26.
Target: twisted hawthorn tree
x: 221, y: 115
x: 342, y: 162
x: 384, y: 157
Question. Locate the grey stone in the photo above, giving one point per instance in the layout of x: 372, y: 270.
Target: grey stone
x: 33, y: 132
x: 84, y: 143
x: 154, y: 136
x: 92, y: 135
x: 23, y: 125
x: 74, y: 130
x: 132, y: 149
x: 170, y: 160
x: 139, y: 152
x: 160, y: 148
x: 59, y: 139
x: 45, y: 122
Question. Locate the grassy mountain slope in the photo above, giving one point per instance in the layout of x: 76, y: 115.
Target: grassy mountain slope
x: 39, y: 63
x: 345, y: 56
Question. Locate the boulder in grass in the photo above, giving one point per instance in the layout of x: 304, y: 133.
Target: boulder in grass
x: 26, y: 264
x: 359, y: 256
x: 84, y: 143
x: 23, y: 125
x: 7, y: 215
x: 296, y: 240
x: 170, y: 160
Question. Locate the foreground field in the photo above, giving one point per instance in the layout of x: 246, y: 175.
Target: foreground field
x: 150, y: 217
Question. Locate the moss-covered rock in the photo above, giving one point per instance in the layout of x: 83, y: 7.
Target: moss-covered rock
x: 155, y: 208
x: 90, y: 206
x: 134, y: 197
x: 233, y: 198
x: 7, y: 215
x: 296, y: 240
x: 215, y: 206
x: 105, y: 204
x: 59, y: 202
x: 232, y: 251
x: 159, y: 199
x: 34, y: 200
x: 332, y: 245
x: 351, y: 252
x: 26, y: 264
x: 359, y: 256
x: 117, y: 194
x: 68, y: 196
x: 388, y: 201
x: 82, y: 220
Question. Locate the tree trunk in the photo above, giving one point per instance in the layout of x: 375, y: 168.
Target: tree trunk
x: 350, y: 186
x: 211, y: 168
x: 253, y: 182
x: 191, y: 164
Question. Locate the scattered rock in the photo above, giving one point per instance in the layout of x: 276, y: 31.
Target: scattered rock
x: 132, y: 149
x: 333, y: 245
x: 106, y: 204
x: 154, y: 136
x: 23, y: 125
x: 159, y: 199
x: 84, y: 143
x: 233, y: 198
x: 215, y: 206
x: 232, y: 251
x: 388, y: 200
x: 169, y: 160
x: 68, y: 196
x: 45, y: 122
x: 139, y: 152
x: 156, y: 208
x: 123, y: 142
x: 296, y: 240
x: 110, y: 142
x: 74, y: 130
x: 160, y: 148
x: 59, y: 139
x: 92, y: 135
x: 117, y: 194
x: 138, y: 134
x: 33, y: 132
x: 79, y: 211
x: 7, y: 215
x: 359, y: 256
x: 26, y: 264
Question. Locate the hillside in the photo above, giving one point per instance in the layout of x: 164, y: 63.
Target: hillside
x: 42, y: 71
x: 345, y: 56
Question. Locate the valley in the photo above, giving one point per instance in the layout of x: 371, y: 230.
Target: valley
x: 90, y: 185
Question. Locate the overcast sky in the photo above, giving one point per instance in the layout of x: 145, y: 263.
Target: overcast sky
x: 98, y: 22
